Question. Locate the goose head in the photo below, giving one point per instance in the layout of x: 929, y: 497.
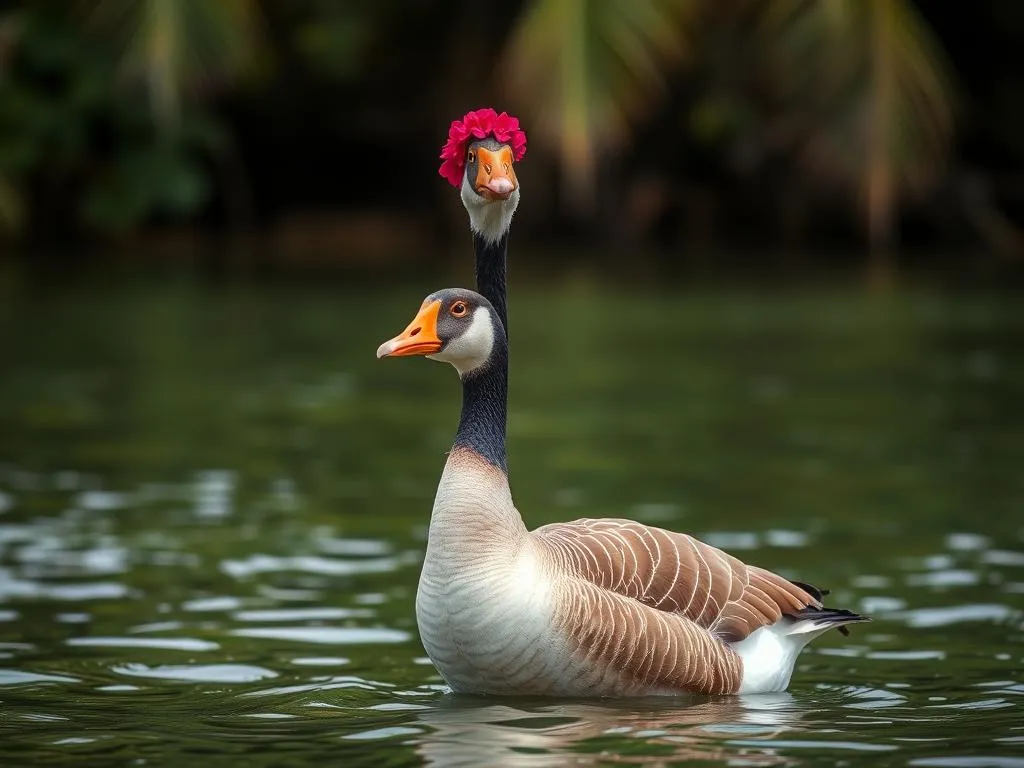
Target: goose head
x: 455, y: 326
x: 479, y: 159
x: 490, y: 189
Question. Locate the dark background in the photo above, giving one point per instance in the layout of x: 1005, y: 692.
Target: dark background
x: 771, y: 134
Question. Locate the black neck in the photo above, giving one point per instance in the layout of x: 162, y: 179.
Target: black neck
x: 490, y: 273
x: 484, y: 406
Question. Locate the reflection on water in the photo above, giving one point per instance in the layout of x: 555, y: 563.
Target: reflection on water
x: 213, y: 509
x: 463, y: 732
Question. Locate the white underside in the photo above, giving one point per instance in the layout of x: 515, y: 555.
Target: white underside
x: 488, y: 219
x: 770, y: 653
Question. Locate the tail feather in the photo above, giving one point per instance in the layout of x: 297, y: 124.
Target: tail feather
x: 813, y: 619
x: 769, y: 653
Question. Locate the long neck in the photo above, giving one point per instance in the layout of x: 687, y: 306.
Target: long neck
x: 474, y: 524
x: 484, y: 409
x: 490, y: 273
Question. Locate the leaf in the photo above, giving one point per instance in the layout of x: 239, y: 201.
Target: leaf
x: 175, y: 45
x: 12, y: 211
x: 159, y: 178
x: 336, y: 38
x: 587, y: 70
x: 870, y: 93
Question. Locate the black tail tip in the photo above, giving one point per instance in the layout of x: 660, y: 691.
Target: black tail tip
x: 853, y: 618
x: 839, y: 617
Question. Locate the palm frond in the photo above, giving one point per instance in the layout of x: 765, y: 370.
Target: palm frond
x: 12, y: 210
x: 586, y: 70
x: 174, y: 45
x: 870, y: 92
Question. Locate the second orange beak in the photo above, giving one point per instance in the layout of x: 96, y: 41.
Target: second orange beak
x: 495, y: 179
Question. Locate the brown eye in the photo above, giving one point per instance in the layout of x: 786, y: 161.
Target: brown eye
x: 458, y: 309
x: 471, y: 157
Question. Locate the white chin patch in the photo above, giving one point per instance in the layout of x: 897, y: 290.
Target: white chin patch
x: 470, y: 350
x: 491, y: 220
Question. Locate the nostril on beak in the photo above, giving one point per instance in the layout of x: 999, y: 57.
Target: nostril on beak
x: 415, y: 331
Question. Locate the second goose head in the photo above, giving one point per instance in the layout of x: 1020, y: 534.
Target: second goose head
x: 479, y: 158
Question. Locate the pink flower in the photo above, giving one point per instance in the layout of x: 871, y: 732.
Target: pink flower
x: 479, y: 124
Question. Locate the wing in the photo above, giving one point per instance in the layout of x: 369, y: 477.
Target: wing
x: 675, y: 573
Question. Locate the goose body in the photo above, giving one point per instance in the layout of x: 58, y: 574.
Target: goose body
x: 590, y: 607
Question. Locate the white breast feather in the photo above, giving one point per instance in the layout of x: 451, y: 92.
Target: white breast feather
x: 471, y: 349
x: 491, y: 220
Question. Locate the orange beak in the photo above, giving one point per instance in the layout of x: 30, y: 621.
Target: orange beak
x: 419, y: 338
x: 495, y: 179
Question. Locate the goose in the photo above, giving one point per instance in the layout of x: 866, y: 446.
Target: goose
x: 585, y: 608
x: 478, y: 160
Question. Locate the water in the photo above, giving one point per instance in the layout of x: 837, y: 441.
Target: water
x: 213, y: 507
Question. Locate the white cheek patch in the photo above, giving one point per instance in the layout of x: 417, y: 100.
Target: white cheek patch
x: 490, y: 220
x: 470, y: 350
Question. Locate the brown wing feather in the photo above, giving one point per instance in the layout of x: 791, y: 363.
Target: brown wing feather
x: 644, y: 649
x: 675, y: 573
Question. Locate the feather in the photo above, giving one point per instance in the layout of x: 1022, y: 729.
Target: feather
x: 676, y: 573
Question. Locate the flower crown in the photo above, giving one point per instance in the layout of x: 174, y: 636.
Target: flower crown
x: 479, y: 124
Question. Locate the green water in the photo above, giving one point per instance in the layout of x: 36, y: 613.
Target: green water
x: 213, y: 506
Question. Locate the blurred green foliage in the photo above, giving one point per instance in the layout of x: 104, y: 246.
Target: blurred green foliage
x: 118, y: 114
x: 65, y: 124
x: 176, y: 45
x: 858, y: 89
x: 112, y: 99
x: 868, y: 93
x: 586, y: 70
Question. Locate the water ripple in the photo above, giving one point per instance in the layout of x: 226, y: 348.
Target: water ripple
x: 19, y: 677
x: 24, y: 589
x: 301, y: 614
x: 326, y: 635
x: 257, y: 564
x: 321, y: 684
x: 163, y: 643
x: 970, y: 761
x: 198, y: 673
x: 955, y: 614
